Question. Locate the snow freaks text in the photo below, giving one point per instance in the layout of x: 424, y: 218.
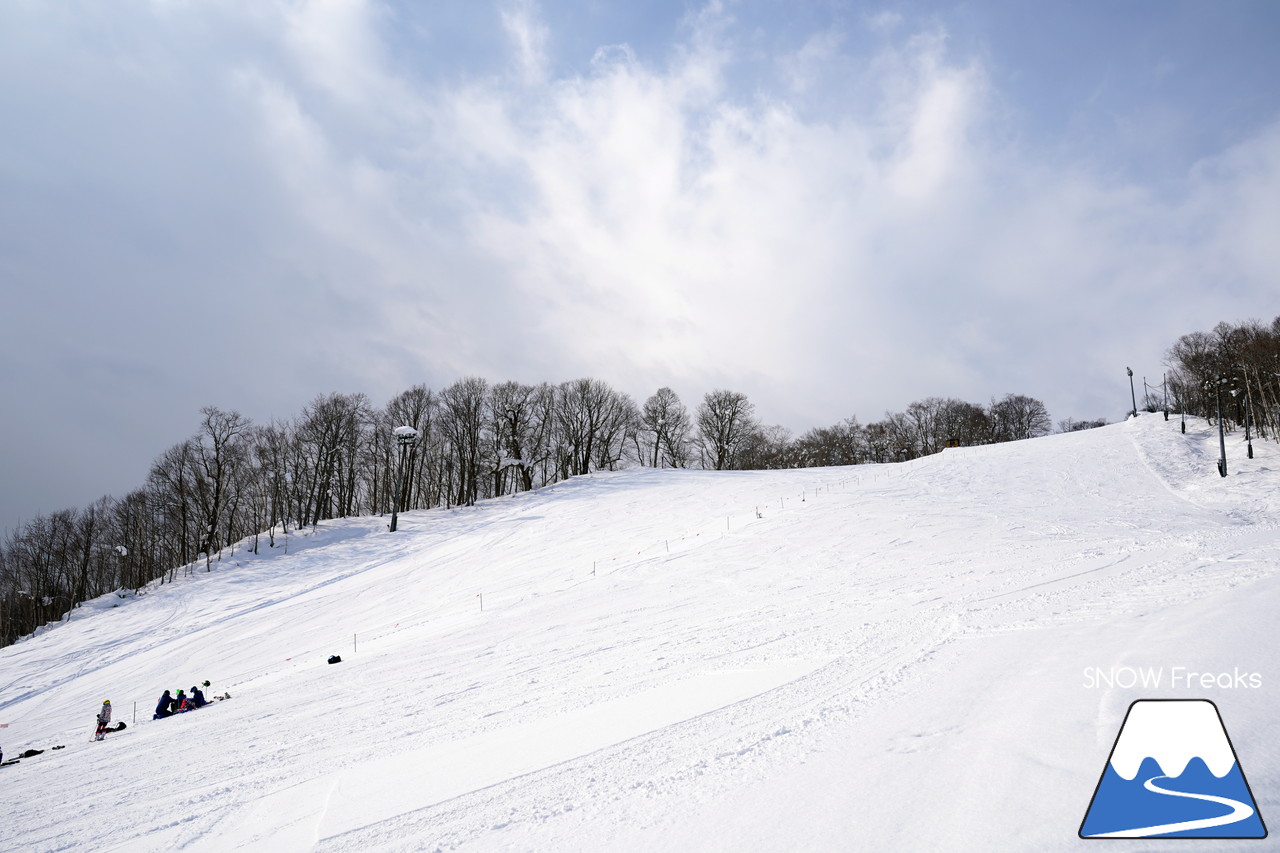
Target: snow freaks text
x: 1174, y: 677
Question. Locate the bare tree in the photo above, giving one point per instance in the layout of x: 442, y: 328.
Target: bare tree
x: 1015, y: 417
x: 617, y: 431
x: 171, y: 482
x: 463, y: 419
x: 927, y: 427
x: 963, y: 423
x: 217, y: 455
x: 1072, y: 425
x: 329, y: 438
x: 662, y: 438
x: 592, y: 420
x: 725, y: 424
x: 842, y: 444
x: 522, y: 427
x: 272, y: 452
x: 1246, y: 356
x: 768, y: 447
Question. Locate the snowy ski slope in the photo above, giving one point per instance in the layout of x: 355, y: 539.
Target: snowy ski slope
x: 897, y: 657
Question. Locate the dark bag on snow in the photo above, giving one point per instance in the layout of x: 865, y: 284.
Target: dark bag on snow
x: 335, y: 659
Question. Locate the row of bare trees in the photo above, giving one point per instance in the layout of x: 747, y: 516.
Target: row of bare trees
x: 236, y: 481
x: 927, y: 426
x: 1239, y: 364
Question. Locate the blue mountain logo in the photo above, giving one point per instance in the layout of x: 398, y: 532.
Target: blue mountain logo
x: 1173, y: 773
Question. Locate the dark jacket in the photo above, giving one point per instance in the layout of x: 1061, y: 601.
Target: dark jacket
x: 165, y: 708
x: 197, y: 698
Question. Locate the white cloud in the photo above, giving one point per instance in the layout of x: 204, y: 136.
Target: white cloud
x: 678, y: 232
x: 336, y: 45
x: 835, y: 230
x: 803, y: 68
x: 528, y: 36
x: 1237, y: 196
x: 731, y: 239
x: 885, y: 21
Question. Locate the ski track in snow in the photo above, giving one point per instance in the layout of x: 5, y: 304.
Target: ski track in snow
x: 709, y: 654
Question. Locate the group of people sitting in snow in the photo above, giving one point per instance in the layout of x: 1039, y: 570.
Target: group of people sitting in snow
x: 183, y: 702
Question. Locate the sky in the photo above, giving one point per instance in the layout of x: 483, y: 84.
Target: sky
x: 835, y: 208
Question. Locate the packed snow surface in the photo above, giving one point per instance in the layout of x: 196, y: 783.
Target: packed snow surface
x: 935, y: 655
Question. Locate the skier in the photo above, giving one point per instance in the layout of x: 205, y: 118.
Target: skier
x: 181, y: 703
x: 197, y: 698
x: 165, y: 708
x: 104, y: 717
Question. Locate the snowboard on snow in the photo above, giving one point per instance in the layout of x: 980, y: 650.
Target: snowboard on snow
x: 118, y: 727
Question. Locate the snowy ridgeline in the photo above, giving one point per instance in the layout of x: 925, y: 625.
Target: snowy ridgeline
x: 883, y: 657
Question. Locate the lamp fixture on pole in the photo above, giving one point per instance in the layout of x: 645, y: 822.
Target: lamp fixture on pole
x: 406, y: 437
x: 1222, y: 438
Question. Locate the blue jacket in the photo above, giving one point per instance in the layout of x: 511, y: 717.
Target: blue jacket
x: 164, y: 709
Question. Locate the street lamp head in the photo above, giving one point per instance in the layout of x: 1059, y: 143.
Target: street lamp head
x: 1129, y: 370
x: 405, y: 435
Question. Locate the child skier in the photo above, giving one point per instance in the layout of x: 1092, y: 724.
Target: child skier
x: 104, y: 717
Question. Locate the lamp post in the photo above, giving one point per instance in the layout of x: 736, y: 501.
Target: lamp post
x: 1222, y: 437
x: 121, y: 553
x: 1235, y: 392
x: 1180, y: 392
x: 1248, y: 414
x: 406, y: 437
x: 1132, y: 395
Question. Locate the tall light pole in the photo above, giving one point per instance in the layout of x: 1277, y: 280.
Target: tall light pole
x: 406, y: 437
x: 1248, y: 411
x: 1132, y: 395
x: 1235, y: 392
x: 1180, y: 393
x: 1222, y: 437
x: 1248, y: 416
x: 121, y: 553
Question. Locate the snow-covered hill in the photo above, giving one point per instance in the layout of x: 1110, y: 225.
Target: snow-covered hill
x: 928, y: 656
